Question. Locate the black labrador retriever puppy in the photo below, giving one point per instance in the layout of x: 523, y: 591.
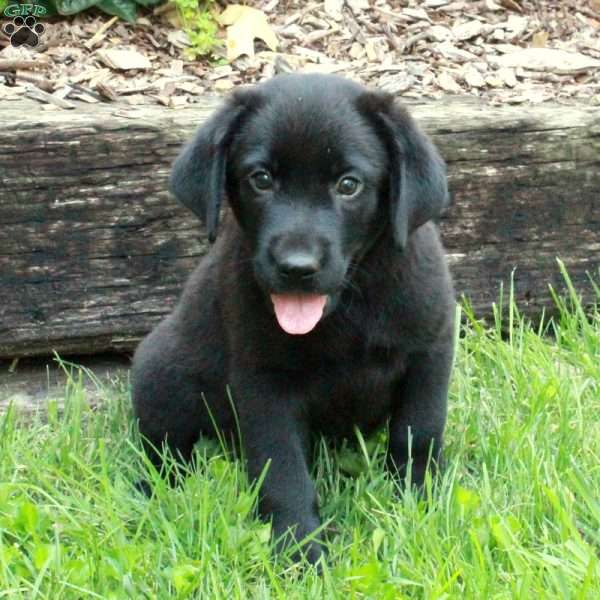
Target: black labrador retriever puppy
x: 324, y: 304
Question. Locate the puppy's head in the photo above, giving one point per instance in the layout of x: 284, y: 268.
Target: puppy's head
x: 315, y: 169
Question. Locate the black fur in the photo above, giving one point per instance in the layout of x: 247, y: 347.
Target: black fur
x: 382, y: 351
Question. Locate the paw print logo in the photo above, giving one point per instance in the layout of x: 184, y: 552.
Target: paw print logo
x: 24, y: 31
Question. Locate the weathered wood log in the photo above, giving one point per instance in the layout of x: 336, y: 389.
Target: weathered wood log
x: 94, y: 251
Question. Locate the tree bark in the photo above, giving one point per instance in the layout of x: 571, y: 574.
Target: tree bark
x: 94, y: 251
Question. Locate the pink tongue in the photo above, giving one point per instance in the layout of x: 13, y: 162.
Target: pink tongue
x: 298, y: 313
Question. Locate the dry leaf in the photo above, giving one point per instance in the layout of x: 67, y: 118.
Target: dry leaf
x: 244, y: 25
x: 539, y: 39
x: 123, y: 60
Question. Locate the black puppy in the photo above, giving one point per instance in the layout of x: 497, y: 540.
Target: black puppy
x: 326, y: 301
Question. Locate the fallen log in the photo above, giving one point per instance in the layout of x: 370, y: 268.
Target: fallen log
x: 94, y: 251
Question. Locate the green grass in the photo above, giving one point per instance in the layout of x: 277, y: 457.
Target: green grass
x: 516, y: 514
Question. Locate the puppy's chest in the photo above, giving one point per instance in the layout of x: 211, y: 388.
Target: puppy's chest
x: 356, y: 390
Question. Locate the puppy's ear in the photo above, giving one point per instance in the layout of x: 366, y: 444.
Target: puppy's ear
x: 418, y: 189
x: 198, y: 174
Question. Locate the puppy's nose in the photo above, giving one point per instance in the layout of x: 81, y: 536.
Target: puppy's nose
x: 298, y: 264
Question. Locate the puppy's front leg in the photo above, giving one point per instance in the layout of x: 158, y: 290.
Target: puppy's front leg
x: 419, y: 414
x: 274, y: 430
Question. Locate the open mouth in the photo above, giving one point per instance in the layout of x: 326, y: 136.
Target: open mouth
x: 297, y: 313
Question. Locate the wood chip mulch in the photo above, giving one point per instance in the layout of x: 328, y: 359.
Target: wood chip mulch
x: 504, y: 51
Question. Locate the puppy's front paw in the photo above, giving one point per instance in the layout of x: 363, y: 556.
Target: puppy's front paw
x: 412, y: 473
x: 143, y: 487
x: 312, y: 552
x: 293, y: 536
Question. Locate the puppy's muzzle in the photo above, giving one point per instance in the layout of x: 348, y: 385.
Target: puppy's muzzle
x: 296, y: 265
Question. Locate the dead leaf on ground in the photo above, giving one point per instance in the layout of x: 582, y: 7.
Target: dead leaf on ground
x: 539, y: 39
x: 123, y: 60
x: 244, y: 25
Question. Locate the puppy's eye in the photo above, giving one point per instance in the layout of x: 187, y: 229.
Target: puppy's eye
x: 261, y: 180
x: 348, y: 186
